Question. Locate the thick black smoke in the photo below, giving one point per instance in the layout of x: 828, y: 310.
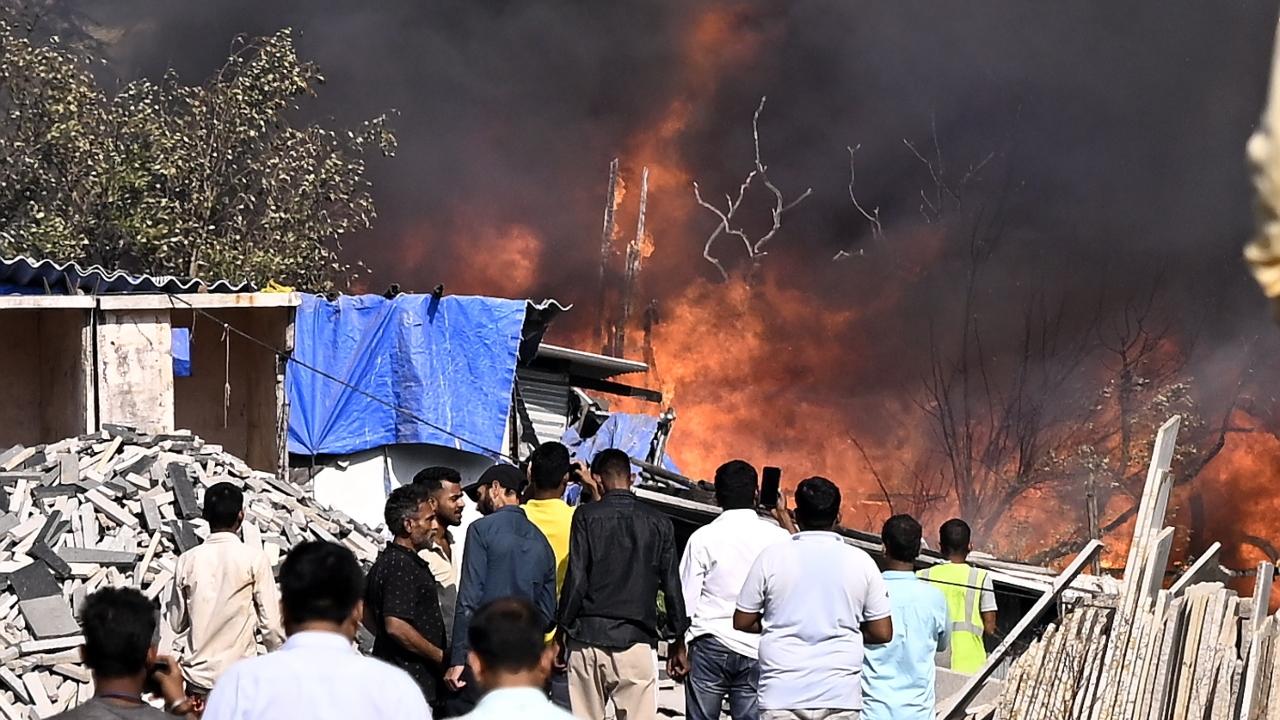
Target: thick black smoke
x: 1119, y: 130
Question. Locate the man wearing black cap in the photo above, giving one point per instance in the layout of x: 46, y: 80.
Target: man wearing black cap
x: 505, y: 555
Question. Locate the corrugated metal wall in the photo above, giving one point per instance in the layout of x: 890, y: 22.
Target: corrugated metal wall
x: 546, y: 399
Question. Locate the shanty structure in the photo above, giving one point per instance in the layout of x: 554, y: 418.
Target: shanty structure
x: 382, y: 386
x: 88, y: 347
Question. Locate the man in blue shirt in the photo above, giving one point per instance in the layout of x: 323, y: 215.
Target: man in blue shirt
x: 505, y: 555
x: 898, y: 678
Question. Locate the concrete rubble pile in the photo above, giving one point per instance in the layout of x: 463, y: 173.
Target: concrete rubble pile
x: 116, y: 508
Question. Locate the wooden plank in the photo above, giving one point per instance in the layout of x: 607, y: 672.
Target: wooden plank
x: 1156, y: 565
x: 954, y: 706
x: 1151, y: 511
x: 1169, y: 657
x: 1258, y: 623
x: 1205, y: 564
x: 1200, y: 597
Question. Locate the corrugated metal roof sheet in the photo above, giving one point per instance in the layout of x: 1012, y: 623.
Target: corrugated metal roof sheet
x: 589, y: 364
x: 49, y: 277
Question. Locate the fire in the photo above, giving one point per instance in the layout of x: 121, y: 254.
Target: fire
x: 504, y: 260
x: 789, y: 365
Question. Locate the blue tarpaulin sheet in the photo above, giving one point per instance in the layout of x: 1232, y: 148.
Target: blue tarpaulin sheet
x: 181, y: 351
x: 448, y: 365
x: 628, y: 432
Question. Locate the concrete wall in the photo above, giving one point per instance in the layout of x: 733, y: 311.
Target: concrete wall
x: 53, y: 389
x: 135, y: 369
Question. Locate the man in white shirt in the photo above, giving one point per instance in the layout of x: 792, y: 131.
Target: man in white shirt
x: 721, y: 660
x: 318, y: 674
x: 223, y: 594
x: 816, y: 599
x: 511, y: 662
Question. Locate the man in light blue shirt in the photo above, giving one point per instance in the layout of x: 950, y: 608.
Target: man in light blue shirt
x: 898, y: 678
x: 511, y: 662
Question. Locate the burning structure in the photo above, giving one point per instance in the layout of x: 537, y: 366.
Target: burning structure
x: 1041, y: 271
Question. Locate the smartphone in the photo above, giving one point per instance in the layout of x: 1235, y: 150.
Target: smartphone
x: 769, y: 481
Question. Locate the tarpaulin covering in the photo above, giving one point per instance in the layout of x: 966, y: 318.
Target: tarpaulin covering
x: 628, y: 432
x: 445, y: 366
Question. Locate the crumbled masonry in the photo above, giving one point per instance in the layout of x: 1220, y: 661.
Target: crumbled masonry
x: 116, y: 508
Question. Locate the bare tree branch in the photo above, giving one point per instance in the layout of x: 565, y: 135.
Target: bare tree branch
x: 757, y: 248
x: 874, y: 473
x: 873, y: 217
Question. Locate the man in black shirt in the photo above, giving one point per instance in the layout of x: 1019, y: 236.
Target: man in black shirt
x: 402, y: 605
x: 621, y: 553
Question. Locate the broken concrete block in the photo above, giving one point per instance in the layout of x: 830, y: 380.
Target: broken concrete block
x: 46, y: 492
x: 11, y: 453
x: 109, y: 508
x: 17, y: 459
x: 62, y: 657
x: 75, y: 672
x: 158, y: 585
x: 48, y: 617
x: 46, y: 534
x: 13, y: 683
x: 60, y: 568
x: 61, y: 643
x: 68, y: 468
x: 34, y: 581
x: 151, y: 514
x: 38, y: 693
x: 97, y: 557
x: 184, y: 535
x: 184, y: 492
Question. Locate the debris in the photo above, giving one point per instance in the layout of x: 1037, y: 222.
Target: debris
x: 116, y: 508
x: 48, y: 617
x: 1195, y: 650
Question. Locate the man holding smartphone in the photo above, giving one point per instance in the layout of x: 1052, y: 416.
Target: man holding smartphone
x: 720, y: 660
x: 119, y: 625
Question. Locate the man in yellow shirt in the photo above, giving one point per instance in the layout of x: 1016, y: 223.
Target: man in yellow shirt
x: 549, y: 468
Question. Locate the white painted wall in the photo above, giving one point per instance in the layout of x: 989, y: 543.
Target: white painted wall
x: 359, y: 484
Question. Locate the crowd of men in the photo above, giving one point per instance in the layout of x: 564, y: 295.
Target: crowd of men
x: 551, y: 610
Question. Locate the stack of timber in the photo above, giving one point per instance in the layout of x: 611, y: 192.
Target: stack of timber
x: 1193, y: 650
x: 116, y: 508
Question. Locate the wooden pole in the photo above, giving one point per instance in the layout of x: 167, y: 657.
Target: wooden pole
x: 1091, y: 510
x: 634, y: 256
x: 606, y: 251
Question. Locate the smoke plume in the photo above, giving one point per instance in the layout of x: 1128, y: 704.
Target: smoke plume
x: 1109, y: 140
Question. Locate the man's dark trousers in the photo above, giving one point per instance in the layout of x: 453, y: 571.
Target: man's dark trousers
x: 716, y: 671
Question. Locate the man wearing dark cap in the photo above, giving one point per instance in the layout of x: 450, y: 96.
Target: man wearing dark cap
x: 505, y: 555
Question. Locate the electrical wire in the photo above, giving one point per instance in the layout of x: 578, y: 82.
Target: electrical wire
x: 288, y: 357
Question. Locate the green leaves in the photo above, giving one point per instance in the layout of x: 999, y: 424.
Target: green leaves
x: 213, y: 181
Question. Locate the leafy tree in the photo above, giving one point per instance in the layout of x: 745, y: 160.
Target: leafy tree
x: 209, y: 180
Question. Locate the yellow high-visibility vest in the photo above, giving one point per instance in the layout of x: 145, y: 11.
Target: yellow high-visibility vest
x: 962, y: 585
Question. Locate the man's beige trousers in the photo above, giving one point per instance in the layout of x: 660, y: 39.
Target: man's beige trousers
x: 627, y: 677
